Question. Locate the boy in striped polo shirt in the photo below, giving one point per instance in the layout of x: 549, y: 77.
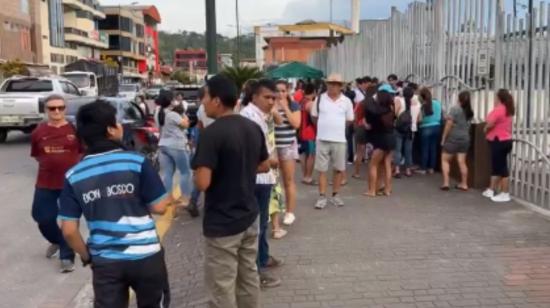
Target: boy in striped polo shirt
x: 116, y: 191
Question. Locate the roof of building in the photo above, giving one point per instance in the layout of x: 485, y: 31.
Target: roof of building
x: 315, y: 26
x: 148, y: 10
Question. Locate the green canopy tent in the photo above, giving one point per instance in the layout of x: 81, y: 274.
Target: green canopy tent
x: 295, y: 70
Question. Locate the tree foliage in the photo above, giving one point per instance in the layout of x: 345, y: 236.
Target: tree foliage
x: 241, y: 74
x: 181, y: 76
x: 12, y: 67
x: 169, y: 42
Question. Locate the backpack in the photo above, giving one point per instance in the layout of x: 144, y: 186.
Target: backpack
x: 404, y: 122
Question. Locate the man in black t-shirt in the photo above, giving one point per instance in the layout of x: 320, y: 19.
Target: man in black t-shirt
x: 230, y: 152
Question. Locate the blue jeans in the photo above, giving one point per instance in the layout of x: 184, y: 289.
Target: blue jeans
x: 429, y: 140
x: 45, y: 208
x: 171, y: 159
x: 403, y: 149
x: 263, y: 196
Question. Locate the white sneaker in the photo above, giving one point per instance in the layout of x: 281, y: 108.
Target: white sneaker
x: 321, y: 203
x: 337, y: 201
x: 502, y: 197
x: 289, y: 219
x: 488, y: 193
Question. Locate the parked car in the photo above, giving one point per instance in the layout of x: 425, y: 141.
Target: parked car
x: 190, y: 94
x: 132, y: 92
x: 140, y: 131
x: 22, y: 101
x: 153, y: 91
x: 93, y: 78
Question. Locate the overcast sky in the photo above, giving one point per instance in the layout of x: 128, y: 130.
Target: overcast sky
x: 190, y: 14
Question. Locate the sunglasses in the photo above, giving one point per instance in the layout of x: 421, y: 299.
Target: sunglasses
x: 54, y: 108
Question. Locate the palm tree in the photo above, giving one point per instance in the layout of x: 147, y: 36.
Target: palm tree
x: 241, y: 74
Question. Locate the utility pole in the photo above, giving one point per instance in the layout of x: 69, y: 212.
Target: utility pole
x: 331, y: 11
x: 530, y: 78
x: 238, y: 54
x: 515, y: 8
x: 211, y: 47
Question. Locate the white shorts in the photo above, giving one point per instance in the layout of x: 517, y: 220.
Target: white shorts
x: 330, y: 153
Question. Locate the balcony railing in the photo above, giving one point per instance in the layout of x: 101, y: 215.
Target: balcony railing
x: 94, y: 35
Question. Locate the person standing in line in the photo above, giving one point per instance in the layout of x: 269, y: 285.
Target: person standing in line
x: 203, y: 121
x: 287, y: 121
x: 392, y: 81
x: 499, y: 134
x: 350, y: 133
x: 298, y: 95
x: 406, y: 126
x: 333, y: 112
x: 430, y: 130
x: 261, y: 111
x: 116, y: 191
x: 456, y: 141
x: 307, y: 134
x: 360, y: 128
x: 56, y: 148
x: 231, y: 151
x: 173, y: 146
x: 381, y: 116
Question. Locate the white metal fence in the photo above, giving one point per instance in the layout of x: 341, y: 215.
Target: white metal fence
x: 453, y: 45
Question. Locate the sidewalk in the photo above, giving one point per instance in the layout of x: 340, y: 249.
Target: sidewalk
x: 419, y: 248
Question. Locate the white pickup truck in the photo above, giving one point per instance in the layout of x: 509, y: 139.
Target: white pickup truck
x: 22, y: 105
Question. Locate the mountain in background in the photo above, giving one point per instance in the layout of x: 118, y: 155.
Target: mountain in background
x: 168, y: 42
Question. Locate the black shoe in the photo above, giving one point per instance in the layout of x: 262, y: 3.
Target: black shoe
x: 193, y: 210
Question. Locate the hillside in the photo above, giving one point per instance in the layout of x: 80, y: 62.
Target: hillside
x: 168, y: 42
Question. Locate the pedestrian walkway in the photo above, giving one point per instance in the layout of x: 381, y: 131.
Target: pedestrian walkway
x: 419, y: 248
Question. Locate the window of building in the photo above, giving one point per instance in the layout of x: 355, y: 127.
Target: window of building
x: 142, y: 49
x: 84, y: 14
x: 55, y: 14
x: 117, y: 42
x: 57, y: 58
x: 25, y: 6
x: 70, y: 59
x: 126, y: 24
x: 111, y: 22
x: 139, y: 31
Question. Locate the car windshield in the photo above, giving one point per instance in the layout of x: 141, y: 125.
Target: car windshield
x: 127, y: 88
x: 81, y: 81
x: 28, y: 85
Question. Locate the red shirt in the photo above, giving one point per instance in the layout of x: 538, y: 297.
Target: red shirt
x: 57, y: 150
x: 307, y: 128
x: 502, y: 124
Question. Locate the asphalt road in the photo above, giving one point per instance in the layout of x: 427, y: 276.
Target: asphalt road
x: 27, y: 278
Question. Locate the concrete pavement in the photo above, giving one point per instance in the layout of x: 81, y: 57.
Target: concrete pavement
x: 419, y: 248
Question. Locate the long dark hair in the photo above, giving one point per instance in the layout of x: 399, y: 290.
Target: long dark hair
x: 408, y: 94
x: 164, y: 100
x: 464, y: 99
x: 506, y: 98
x: 426, y: 97
x: 385, y: 99
x: 285, y: 83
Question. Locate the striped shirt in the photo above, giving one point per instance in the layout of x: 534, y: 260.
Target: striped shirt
x: 285, y: 134
x: 113, y: 191
x: 252, y: 112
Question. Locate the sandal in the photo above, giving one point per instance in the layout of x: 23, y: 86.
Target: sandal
x: 461, y: 188
x: 356, y: 176
x: 279, y: 234
x: 444, y: 188
x: 366, y: 194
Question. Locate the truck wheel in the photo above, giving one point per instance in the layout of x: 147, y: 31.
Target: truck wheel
x: 3, y: 135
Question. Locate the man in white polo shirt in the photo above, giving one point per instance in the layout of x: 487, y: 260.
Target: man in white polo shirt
x: 333, y: 112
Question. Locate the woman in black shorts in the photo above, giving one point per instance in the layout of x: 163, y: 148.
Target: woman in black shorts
x: 381, y: 117
x: 499, y: 135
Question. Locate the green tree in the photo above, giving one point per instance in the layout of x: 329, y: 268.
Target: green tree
x: 241, y: 74
x: 181, y: 76
x: 13, y: 67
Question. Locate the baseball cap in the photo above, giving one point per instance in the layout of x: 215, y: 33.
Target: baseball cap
x: 386, y: 88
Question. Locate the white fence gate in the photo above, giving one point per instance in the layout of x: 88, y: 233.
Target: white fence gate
x: 451, y: 45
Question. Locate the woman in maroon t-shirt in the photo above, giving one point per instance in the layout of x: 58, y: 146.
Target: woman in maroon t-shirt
x: 56, y: 148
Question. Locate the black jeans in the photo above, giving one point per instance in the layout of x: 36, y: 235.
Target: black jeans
x: 349, y: 140
x: 147, y: 277
x: 500, y: 150
x: 45, y: 208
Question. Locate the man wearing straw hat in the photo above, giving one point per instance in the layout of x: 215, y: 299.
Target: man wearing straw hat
x: 332, y: 112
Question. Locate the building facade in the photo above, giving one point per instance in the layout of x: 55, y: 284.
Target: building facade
x: 151, y: 19
x: 125, y: 27
x: 69, y: 32
x: 16, y: 22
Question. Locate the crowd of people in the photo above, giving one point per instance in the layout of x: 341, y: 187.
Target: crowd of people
x: 242, y: 154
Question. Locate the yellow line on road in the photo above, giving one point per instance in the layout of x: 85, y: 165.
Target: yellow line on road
x: 164, y: 222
